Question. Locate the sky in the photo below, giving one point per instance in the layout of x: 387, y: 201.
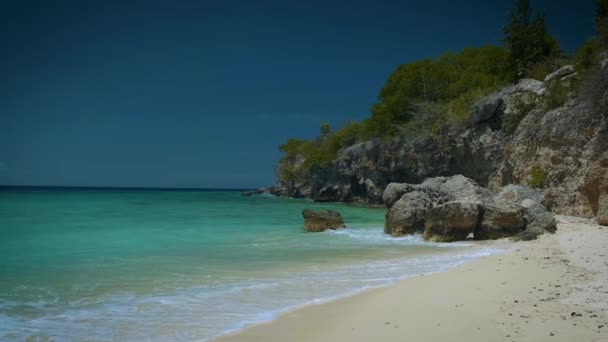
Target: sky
x: 202, y: 93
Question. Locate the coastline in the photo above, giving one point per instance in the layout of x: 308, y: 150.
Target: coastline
x: 550, y: 289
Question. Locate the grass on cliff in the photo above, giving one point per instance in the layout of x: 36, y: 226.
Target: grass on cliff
x: 537, y: 177
x: 443, y: 89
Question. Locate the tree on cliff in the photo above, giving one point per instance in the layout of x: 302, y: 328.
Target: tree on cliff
x: 601, y: 22
x: 324, y: 132
x: 527, y: 38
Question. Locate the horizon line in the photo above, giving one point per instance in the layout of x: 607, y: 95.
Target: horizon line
x: 133, y: 188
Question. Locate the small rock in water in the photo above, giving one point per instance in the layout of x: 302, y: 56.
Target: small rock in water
x: 322, y: 220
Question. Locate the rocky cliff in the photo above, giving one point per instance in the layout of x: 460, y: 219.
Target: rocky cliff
x: 551, y: 135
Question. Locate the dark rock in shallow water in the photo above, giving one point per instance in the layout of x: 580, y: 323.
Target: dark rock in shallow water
x: 453, y: 221
x: 322, y: 220
x: 254, y: 192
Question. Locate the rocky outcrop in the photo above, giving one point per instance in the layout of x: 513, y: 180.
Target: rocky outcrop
x: 449, y: 209
x: 407, y: 215
x: 602, y: 213
x: 518, y: 135
x: 259, y: 191
x: 453, y: 221
x: 521, y: 195
x: 322, y: 220
x: 499, y: 220
x: 538, y: 221
x: 560, y: 73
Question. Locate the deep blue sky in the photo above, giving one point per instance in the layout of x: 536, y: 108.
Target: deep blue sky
x: 201, y: 94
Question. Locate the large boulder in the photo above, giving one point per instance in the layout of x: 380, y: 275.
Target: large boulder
x: 538, y: 221
x: 322, y: 220
x: 450, y: 208
x: 452, y: 221
x: 408, y: 214
x: 394, y: 191
x: 537, y: 216
x: 499, y: 220
x: 487, y: 108
x: 526, y: 85
x: 461, y: 188
x: 602, y: 210
x: 560, y: 73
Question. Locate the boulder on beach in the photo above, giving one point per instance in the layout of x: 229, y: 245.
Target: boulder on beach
x: 320, y: 221
x: 538, y: 221
x: 408, y: 214
x: 450, y: 208
x: 394, y: 191
x: 499, y: 220
x: 452, y: 221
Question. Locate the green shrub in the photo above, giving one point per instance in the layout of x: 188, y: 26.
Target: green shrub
x: 527, y: 38
x: 537, y: 177
x: 460, y: 107
x: 558, y: 93
x: 586, y: 56
x: 447, y: 77
x: 288, y: 172
x: 601, y: 23
x: 540, y: 70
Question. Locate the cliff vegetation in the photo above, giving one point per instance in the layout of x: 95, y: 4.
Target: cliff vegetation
x: 522, y: 113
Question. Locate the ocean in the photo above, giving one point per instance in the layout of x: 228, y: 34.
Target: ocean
x: 158, y: 265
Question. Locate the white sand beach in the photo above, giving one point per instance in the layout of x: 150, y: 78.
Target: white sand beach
x: 551, y: 289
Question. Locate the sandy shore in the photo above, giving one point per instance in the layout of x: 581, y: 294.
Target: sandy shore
x: 552, y: 289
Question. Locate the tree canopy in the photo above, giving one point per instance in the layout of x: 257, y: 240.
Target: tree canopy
x: 527, y: 38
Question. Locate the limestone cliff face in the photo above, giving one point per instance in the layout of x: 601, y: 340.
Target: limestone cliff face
x: 515, y: 136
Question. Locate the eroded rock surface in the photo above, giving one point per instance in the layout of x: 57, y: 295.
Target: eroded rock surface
x: 449, y: 209
x: 319, y: 221
x: 602, y: 213
x: 452, y: 221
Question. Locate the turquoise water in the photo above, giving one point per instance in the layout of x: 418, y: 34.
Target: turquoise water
x: 183, y: 266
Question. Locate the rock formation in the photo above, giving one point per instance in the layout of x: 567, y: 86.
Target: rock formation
x: 259, y: 191
x: 518, y: 135
x: 602, y: 214
x: 449, y: 209
x: 322, y: 220
x: 453, y: 221
x: 408, y: 214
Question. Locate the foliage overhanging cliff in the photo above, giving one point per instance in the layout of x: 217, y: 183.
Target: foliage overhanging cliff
x: 523, y: 114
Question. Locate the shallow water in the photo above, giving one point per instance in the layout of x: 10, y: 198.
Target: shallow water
x: 185, y: 265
